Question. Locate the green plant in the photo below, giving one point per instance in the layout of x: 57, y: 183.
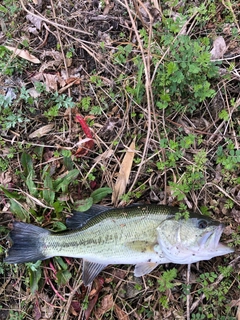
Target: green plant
x: 58, y: 101
x: 215, y: 295
x: 9, y: 7
x: 120, y: 57
x: 186, y: 77
x: 85, y: 103
x: 228, y: 157
x: 9, y: 64
x: 167, y: 280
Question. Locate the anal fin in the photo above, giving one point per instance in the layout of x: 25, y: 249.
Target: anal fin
x: 144, y: 268
x: 90, y: 271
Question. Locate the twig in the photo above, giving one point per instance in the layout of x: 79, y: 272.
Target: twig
x: 56, y: 292
x: 220, y: 189
x: 76, y: 286
x: 146, y: 63
x: 188, y: 295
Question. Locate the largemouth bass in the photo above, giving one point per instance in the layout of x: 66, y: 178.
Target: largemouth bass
x: 143, y: 235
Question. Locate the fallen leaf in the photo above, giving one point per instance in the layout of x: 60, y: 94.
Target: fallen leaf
x: 88, y: 145
x: 33, y: 30
x: 124, y: 173
x: 41, y: 131
x: 5, y: 178
x: 219, y: 48
x: 37, y: 77
x: 49, y: 65
x: 106, y: 304
x: 104, y: 156
x: 147, y: 9
x: 51, y: 81
x: 37, y: 311
x: 108, y: 6
x: 10, y: 95
x: 24, y: 54
x: 238, y: 313
x: 34, y: 93
x: 35, y: 21
x: 121, y: 315
x: 73, y: 79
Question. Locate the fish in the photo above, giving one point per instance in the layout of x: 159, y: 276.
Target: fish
x: 142, y: 235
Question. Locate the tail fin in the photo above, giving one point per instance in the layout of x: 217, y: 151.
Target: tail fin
x: 27, y: 243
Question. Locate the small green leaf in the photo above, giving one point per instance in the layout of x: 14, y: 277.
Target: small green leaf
x: 34, y: 276
x: 59, y: 226
x: 34, y: 266
x: 62, y: 264
x: 27, y: 163
x: 67, y: 161
x: 9, y: 194
x: 18, y: 210
x: 63, y: 183
x: 63, y: 276
x: 3, y: 9
x: 84, y: 205
x: 223, y: 115
x: 31, y: 185
x: 58, y: 206
x: 100, y: 193
x: 48, y: 193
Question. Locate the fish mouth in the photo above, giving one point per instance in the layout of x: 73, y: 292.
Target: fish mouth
x: 211, y: 240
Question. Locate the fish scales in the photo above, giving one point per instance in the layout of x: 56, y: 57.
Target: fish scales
x: 106, y: 236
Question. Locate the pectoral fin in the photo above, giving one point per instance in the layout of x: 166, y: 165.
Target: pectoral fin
x: 144, y: 268
x: 90, y: 271
x: 141, y: 246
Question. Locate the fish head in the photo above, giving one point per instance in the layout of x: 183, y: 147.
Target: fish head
x: 195, y: 239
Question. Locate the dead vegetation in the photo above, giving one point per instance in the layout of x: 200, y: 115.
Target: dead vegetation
x: 140, y: 97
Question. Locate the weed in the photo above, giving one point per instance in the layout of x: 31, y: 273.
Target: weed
x: 166, y: 280
x: 213, y: 294
x: 58, y: 101
x: 10, y: 65
x: 228, y: 157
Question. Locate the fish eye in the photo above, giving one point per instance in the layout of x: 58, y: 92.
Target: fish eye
x: 202, y: 224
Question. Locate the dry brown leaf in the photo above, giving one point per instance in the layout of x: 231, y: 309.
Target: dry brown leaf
x: 147, y: 9
x: 238, y: 313
x: 5, y: 178
x: 121, y: 315
x: 106, y: 304
x: 34, y: 93
x: 108, y: 6
x: 23, y: 54
x: 124, y: 173
x: 41, y: 131
x: 37, y: 22
x: 53, y: 64
x: 219, y: 48
x: 51, y: 81
x: 104, y: 156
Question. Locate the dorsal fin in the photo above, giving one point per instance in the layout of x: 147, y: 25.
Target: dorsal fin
x: 78, y: 219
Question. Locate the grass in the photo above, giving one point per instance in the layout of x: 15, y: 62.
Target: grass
x: 149, y: 77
